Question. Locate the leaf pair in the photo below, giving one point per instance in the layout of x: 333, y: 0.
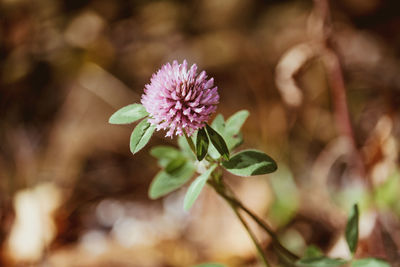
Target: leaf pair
x: 167, y: 181
x: 141, y: 136
x: 142, y: 132
x: 244, y: 163
x: 224, y: 136
x: 177, y: 171
x: 229, y: 131
x: 202, y: 142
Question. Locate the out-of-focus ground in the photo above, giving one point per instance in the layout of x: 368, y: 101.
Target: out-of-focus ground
x: 71, y: 194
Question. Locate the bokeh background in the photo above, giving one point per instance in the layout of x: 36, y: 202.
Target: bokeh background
x: 321, y: 80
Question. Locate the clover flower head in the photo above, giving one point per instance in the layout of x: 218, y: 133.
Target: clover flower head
x: 179, y: 99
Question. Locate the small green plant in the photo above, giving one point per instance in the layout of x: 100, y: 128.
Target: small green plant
x: 181, y: 101
x: 313, y: 257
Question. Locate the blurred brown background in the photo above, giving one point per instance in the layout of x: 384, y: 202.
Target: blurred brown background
x: 71, y: 194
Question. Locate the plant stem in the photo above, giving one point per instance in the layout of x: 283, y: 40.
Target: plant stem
x: 234, y: 207
x: 225, y: 192
x: 251, y: 234
x: 263, y: 225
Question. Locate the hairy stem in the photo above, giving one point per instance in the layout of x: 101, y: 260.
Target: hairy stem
x: 251, y: 234
x: 227, y: 194
x: 264, y: 226
x: 235, y: 209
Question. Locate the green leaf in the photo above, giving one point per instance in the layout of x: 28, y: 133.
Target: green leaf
x: 128, y: 114
x: 165, y: 154
x: 250, y: 162
x: 218, y: 123
x: 230, y: 131
x: 286, y: 197
x: 369, y: 262
x: 232, y: 134
x: 234, y: 141
x: 312, y: 252
x: 141, y: 135
x: 236, y: 121
x: 352, y: 229
x: 218, y: 142
x: 210, y: 265
x: 166, y: 182
x: 175, y: 164
x: 321, y: 262
x: 195, y: 188
x: 201, y: 144
x: 386, y: 194
x: 213, y: 152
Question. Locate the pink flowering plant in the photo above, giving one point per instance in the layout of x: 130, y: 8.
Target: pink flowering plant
x: 180, y: 101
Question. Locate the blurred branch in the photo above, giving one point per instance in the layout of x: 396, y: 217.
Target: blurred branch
x: 336, y: 81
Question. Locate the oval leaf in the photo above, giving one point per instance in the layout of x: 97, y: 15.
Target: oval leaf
x: 175, y: 164
x: 232, y: 134
x: 233, y: 141
x: 218, y: 123
x: 195, y: 188
x: 352, y: 229
x: 236, y: 121
x: 128, y: 114
x: 250, y: 162
x: 166, y: 182
x: 201, y: 144
x: 321, y: 262
x: 218, y: 142
x: 141, y: 135
x: 369, y: 262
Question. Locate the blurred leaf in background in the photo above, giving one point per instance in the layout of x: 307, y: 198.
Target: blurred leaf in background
x: 286, y: 201
x: 387, y: 194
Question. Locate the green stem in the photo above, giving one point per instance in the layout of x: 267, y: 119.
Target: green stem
x: 224, y: 191
x: 280, y: 248
x: 244, y: 223
x: 251, y: 234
